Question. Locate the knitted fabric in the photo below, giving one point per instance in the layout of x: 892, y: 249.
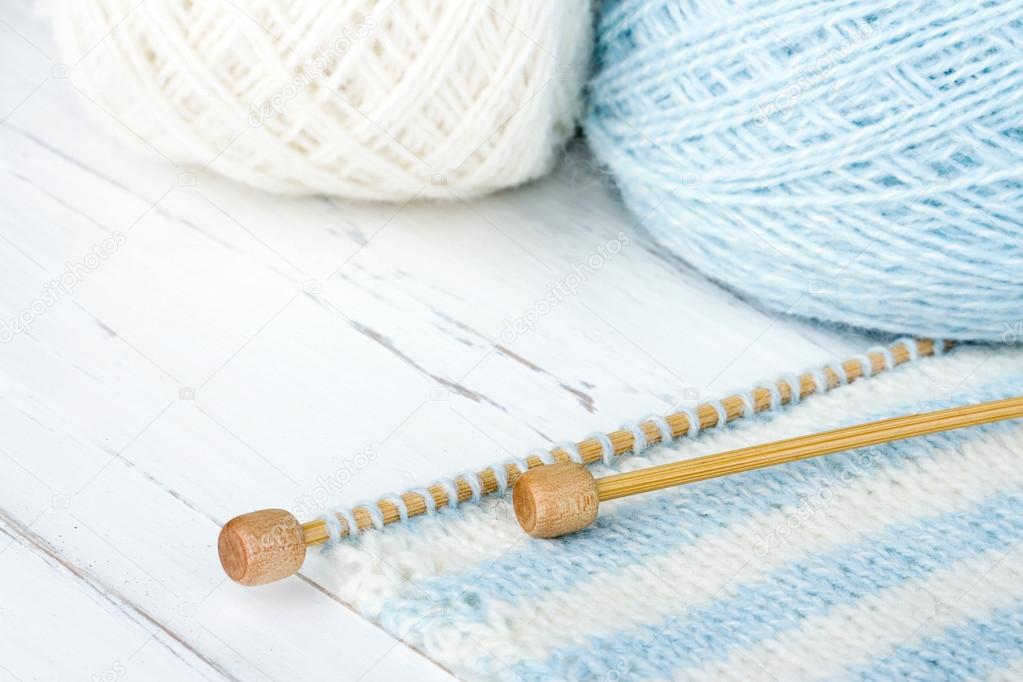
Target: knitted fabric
x: 854, y: 161
x: 370, y: 99
x: 891, y: 561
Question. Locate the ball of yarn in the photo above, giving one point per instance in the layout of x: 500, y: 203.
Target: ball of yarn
x: 853, y: 161
x: 386, y: 99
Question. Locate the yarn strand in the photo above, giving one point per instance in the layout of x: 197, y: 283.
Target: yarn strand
x: 846, y: 161
x: 653, y: 430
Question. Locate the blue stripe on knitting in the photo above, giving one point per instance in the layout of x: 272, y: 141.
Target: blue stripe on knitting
x: 753, y: 612
x: 627, y: 536
x: 968, y: 652
x: 655, y: 525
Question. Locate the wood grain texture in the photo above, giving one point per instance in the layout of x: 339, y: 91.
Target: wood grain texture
x: 555, y: 500
x: 798, y: 448
x: 622, y: 441
x: 261, y: 546
x: 239, y: 351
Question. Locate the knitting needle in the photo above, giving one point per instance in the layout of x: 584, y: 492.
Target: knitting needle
x: 270, y: 544
x: 563, y: 498
x: 267, y: 545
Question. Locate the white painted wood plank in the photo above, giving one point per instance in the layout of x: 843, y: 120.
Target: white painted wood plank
x: 239, y: 350
x: 55, y: 624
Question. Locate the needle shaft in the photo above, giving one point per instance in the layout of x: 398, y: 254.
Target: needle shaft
x: 805, y: 447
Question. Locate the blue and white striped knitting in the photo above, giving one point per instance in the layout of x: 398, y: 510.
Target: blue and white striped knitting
x: 900, y: 560
x: 854, y: 161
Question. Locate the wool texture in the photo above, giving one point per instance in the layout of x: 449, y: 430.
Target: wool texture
x: 901, y: 560
x: 368, y: 99
x: 853, y: 161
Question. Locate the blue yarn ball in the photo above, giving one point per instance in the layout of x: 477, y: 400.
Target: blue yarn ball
x: 858, y: 162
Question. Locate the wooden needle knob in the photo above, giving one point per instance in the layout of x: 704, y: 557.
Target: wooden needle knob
x: 555, y: 500
x: 261, y: 546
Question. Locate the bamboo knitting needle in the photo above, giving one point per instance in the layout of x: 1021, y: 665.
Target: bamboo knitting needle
x: 263, y: 546
x: 266, y: 545
x: 270, y: 544
x: 563, y: 498
x: 622, y: 441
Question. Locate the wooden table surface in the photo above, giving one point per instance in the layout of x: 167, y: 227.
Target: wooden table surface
x: 177, y: 349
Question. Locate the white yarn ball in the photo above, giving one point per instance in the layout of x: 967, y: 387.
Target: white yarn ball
x: 391, y: 99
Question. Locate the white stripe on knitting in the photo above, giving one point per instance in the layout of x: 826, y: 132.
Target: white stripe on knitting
x: 1010, y: 672
x: 367, y: 573
x: 381, y: 565
x: 875, y: 626
x: 643, y: 593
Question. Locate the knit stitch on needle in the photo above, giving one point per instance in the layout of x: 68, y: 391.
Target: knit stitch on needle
x: 901, y: 560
